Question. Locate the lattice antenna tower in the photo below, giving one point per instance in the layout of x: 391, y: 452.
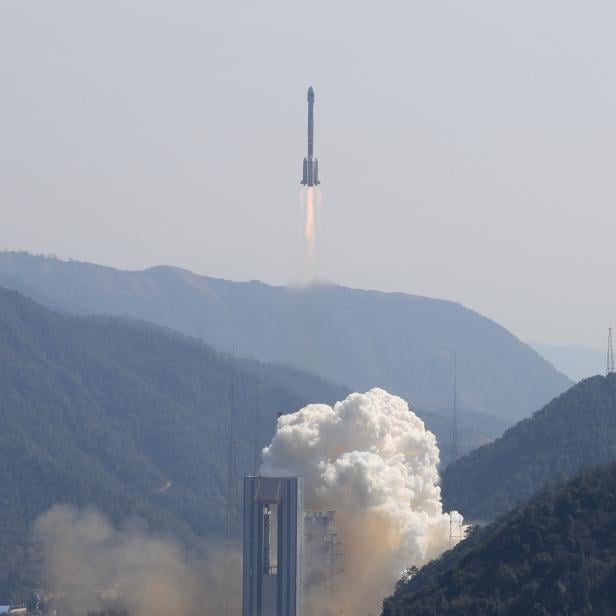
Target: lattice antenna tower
x: 610, y: 353
x: 456, y: 528
x: 232, y: 491
x: 454, y: 412
x: 256, y: 463
x: 232, y: 495
x: 335, y: 568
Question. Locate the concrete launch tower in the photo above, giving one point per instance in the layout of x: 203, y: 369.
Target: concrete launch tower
x: 273, y: 515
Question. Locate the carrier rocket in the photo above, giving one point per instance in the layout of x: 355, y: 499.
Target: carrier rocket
x: 310, y: 176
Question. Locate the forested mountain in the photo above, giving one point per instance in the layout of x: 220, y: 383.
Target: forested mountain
x: 362, y: 339
x: 555, y: 556
x: 133, y: 419
x: 127, y: 417
x: 575, y: 430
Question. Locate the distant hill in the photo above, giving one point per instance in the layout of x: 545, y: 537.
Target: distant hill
x: 575, y: 430
x: 127, y: 417
x: 576, y: 361
x: 554, y: 556
x: 361, y: 339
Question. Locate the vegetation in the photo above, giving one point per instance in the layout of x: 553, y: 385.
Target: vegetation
x: 576, y: 430
x: 361, y: 339
x: 127, y: 417
x: 555, y: 556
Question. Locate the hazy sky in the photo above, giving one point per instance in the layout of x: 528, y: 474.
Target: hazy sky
x: 467, y: 148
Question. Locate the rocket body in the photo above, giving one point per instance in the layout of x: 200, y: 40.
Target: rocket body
x: 310, y: 176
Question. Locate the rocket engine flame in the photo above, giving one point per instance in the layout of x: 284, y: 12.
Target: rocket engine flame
x: 371, y: 459
x: 309, y: 226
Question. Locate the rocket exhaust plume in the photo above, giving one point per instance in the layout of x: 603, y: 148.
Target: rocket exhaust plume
x: 371, y: 460
x: 309, y: 225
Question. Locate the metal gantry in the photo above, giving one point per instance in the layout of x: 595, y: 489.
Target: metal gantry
x: 454, y: 412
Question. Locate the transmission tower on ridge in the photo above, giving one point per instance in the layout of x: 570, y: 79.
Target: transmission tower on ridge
x: 256, y: 453
x: 232, y: 490
x: 610, y: 353
x: 454, y: 412
x: 232, y: 496
x: 456, y: 528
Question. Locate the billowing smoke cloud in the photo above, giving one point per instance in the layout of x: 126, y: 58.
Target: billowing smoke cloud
x: 90, y: 566
x: 371, y: 460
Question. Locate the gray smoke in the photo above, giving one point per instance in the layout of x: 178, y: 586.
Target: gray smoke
x: 90, y: 566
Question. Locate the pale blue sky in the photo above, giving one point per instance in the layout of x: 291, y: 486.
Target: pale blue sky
x: 466, y: 148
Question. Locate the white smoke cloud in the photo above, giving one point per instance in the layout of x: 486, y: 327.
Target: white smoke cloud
x: 371, y: 459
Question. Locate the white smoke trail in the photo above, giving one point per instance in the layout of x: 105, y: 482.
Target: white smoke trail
x: 371, y: 459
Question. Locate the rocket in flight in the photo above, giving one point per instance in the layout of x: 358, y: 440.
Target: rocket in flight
x: 310, y: 175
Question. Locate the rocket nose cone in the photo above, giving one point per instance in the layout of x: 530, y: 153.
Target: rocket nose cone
x: 310, y: 95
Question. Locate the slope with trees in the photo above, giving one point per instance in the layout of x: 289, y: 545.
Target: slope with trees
x: 126, y: 417
x: 555, y: 556
x: 573, y: 431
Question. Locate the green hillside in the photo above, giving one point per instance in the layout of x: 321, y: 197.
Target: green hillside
x: 127, y: 417
x: 403, y: 343
x: 554, y: 557
x: 575, y: 430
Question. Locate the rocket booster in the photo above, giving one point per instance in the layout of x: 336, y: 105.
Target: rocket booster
x: 310, y: 176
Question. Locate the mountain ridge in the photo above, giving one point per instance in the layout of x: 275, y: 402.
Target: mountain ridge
x: 404, y: 343
x: 575, y: 430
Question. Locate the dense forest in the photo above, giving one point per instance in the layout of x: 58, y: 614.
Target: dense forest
x: 555, y: 556
x: 575, y: 430
x: 127, y: 417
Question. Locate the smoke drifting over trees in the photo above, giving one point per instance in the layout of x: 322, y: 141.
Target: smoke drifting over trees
x: 90, y: 566
x: 371, y: 460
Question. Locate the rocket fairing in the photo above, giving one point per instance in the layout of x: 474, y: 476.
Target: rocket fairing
x: 310, y: 176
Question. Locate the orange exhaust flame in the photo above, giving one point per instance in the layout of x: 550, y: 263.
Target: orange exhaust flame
x: 309, y: 226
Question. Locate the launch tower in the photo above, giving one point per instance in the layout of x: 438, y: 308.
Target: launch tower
x: 273, y: 515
